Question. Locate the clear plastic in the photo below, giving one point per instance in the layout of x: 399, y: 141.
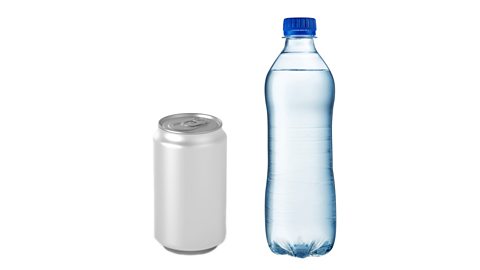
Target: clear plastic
x: 300, y: 211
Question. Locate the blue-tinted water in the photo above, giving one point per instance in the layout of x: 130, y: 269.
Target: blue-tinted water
x: 300, y: 208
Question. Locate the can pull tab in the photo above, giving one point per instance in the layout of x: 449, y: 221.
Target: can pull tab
x: 188, y: 125
x: 195, y: 122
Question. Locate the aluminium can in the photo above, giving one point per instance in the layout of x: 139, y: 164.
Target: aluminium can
x: 190, y: 182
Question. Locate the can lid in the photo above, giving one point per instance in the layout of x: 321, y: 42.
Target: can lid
x: 190, y: 123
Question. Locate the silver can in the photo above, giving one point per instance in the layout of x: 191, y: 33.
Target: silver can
x: 190, y: 152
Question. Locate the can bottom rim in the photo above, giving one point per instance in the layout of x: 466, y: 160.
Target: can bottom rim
x: 195, y: 252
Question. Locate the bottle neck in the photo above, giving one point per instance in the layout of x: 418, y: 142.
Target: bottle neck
x: 299, y: 45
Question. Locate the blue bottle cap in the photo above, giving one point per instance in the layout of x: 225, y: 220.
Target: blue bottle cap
x: 300, y: 26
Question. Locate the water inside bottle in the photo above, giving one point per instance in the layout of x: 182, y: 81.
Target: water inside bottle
x: 300, y: 196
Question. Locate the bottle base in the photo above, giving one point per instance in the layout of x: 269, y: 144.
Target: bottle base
x: 301, y: 250
x: 195, y: 252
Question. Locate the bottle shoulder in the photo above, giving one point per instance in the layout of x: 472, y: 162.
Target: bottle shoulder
x: 299, y: 61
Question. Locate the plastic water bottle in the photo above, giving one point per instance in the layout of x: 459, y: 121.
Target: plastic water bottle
x: 300, y: 213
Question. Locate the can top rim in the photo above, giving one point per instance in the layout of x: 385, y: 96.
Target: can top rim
x: 190, y: 123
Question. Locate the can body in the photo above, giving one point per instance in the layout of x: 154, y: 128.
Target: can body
x: 190, y: 188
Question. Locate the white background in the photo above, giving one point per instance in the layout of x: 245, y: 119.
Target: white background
x: 83, y: 84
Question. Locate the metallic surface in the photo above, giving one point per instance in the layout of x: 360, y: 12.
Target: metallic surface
x: 190, y: 189
x: 191, y: 123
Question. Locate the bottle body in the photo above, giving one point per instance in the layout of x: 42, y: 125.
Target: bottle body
x: 300, y: 210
